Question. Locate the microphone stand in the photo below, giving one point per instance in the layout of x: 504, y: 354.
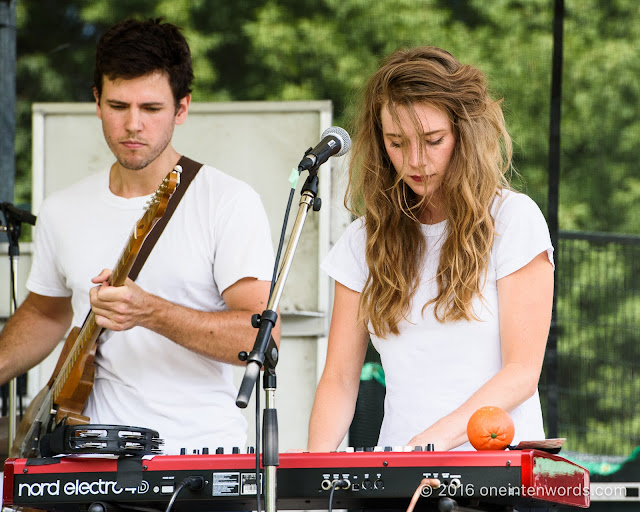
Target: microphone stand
x: 13, y: 230
x: 265, y: 346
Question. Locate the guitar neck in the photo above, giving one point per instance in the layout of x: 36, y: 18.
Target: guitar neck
x: 90, y: 330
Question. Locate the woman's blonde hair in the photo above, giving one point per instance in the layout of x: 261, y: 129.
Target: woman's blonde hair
x: 480, y: 160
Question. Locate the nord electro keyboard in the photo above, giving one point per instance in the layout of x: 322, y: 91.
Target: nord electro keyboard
x: 489, y: 480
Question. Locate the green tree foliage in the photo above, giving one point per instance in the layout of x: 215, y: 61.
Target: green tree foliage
x: 294, y: 50
x: 50, y: 67
x: 601, y: 134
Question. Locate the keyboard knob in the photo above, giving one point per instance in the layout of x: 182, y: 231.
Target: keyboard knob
x: 235, y: 449
x: 429, y: 447
x: 205, y: 451
x: 183, y: 451
x: 219, y: 450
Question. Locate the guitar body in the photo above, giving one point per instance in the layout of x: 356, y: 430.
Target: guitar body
x: 70, y: 402
x: 27, y: 423
x: 64, y: 396
x: 74, y: 393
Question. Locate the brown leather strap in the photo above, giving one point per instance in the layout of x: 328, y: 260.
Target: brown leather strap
x: 189, y: 170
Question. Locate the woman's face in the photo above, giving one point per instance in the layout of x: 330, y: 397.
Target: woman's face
x: 421, y: 157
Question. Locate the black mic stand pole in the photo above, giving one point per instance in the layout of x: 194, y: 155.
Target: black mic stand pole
x: 265, y: 345
x: 12, y: 229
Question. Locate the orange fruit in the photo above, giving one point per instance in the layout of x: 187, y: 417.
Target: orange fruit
x: 490, y: 428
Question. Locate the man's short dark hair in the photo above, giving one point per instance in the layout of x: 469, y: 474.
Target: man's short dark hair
x: 135, y: 48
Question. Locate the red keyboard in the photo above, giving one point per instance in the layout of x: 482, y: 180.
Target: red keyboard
x: 377, y: 480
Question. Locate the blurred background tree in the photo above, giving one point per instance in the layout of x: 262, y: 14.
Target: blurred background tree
x: 300, y: 50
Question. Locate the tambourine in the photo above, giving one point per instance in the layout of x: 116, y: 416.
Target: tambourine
x: 101, y: 439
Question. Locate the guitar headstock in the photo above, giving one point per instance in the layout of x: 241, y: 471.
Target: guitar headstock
x: 166, y: 190
x: 158, y: 202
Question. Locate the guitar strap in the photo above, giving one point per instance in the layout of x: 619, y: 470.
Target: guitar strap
x: 189, y: 169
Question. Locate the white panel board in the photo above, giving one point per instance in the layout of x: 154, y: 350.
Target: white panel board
x: 260, y: 143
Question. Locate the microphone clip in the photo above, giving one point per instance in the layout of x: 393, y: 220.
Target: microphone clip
x: 14, y: 218
x: 308, y: 162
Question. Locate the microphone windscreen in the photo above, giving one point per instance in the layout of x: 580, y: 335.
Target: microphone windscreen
x: 341, y: 134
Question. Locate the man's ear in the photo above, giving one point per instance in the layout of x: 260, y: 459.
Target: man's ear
x: 183, y: 109
x: 97, y: 97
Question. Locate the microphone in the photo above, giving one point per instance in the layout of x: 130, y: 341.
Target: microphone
x: 335, y: 141
x: 12, y: 213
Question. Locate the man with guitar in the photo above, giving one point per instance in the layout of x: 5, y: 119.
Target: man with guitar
x: 169, y: 337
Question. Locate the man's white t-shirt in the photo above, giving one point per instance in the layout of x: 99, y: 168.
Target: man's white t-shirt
x: 218, y: 234
x: 432, y: 368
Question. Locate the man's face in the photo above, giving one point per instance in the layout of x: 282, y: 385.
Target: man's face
x: 138, y: 117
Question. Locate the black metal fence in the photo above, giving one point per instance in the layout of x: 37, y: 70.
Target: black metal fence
x: 591, y: 395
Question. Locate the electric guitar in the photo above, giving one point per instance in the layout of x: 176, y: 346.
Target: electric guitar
x: 64, y: 396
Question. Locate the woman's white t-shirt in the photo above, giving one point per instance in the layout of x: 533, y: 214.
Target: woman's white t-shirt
x: 431, y: 368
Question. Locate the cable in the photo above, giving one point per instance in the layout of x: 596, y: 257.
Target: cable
x: 281, y: 242
x: 416, y: 495
x: 258, y: 479
x: 195, y: 483
x: 336, y: 484
x: 424, y: 483
x: 14, y: 299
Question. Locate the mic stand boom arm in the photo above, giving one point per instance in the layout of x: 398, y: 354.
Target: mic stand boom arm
x: 265, y: 345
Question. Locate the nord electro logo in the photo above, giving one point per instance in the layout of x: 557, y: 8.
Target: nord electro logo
x: 78, y: 488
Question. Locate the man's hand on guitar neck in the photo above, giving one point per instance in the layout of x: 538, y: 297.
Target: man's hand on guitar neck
x: 119, y: 308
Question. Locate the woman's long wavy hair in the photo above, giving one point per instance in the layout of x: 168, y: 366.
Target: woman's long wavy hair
x: 477, y: 171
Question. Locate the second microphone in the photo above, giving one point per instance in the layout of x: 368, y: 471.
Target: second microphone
x: 335, y: 141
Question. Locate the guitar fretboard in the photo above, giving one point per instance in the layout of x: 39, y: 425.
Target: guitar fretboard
x: 90, y: 330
